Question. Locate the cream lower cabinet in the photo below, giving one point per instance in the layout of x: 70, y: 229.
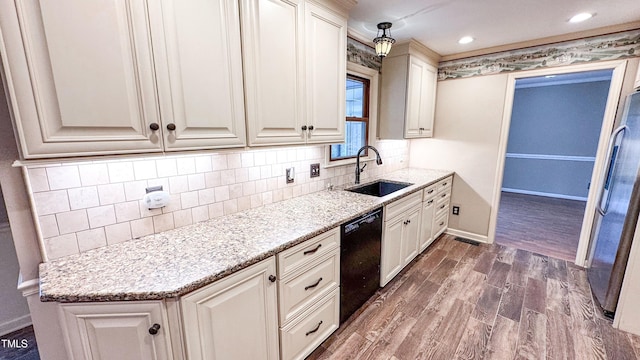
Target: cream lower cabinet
x: 294, y: 54
x: 428, y: 212
x: 400, y: 235
x: 107, y: 77
x: 117, y: 331
x: 234, y: 318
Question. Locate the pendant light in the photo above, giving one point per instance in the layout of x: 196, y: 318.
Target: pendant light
x: 383, y: 42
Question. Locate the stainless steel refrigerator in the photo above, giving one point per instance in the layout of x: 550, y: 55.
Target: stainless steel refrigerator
x: 618, y: 209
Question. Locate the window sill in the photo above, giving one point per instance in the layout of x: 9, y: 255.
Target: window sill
x: 333, y: 164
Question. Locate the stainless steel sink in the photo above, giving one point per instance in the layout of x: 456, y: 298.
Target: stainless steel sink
x: 380, y: 188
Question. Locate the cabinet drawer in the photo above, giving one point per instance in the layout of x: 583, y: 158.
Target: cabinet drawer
x: 440, y: 223
x: 442, y: 209
x: 430, y: 191
x: 308, y: 331
x: 443, y: 197
x: 310, y: 250
x: 445, y: 184
x: 305, y: 287
x: 399, y: 207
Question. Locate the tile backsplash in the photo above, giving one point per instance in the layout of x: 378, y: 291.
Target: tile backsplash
x: 84, y: 205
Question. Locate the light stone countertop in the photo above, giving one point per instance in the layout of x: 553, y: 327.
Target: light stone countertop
x: 175, y: 262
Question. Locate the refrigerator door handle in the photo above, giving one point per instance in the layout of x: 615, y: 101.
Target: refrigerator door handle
x: 610, y: 168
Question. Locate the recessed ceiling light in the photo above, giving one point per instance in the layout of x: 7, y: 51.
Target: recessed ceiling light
x: 580, y: 17
x: 550, y: 76
x: 465, y: 40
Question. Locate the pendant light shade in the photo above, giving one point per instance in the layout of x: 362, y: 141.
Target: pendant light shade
x: 383, y: 41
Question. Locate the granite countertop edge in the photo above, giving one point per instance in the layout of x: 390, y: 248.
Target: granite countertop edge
x: 62, y: 294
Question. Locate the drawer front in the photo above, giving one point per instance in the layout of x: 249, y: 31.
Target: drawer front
x: 304, y: 288
x: 445, y: 184
x: 310, y: 250
x: 430, y: 192
x: 440, y: 223
x: 399, y: 207
x: 308, y: 331
x: 443, y: 197
x: 442, y: 209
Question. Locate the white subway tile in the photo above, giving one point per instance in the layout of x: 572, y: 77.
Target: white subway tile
x: 271, y: 157
x: 38, y: 179
x: 234, y: 161
x: 212, y: 179
x: 292, y: 155
x: 111, y: 194
x: 91, y: 239
x: 101, y: 216
x: 287, y: 193
x: 84, y: 197
x: 256, y: 201
x: 203, y: 164
x: 175, y: 204
x: 230, y: 207
x: 297, y: 191
x: 51, y: 202
x: 278, y: 195
x: 235, y: 191
x: 259, y: 158
x: 265, y: 171
x: 249, y: 188
x: 127, y: 211
x: 120, y: 171
x: 216, y: 210
x: 272, y: 183
x: 267, y: 197
x: 196, y: 182
x: 281, y: 156
x: 164, y: 182
x: 278, y: 170
x: 206, y: 196
x: 163, y: 222
x: 145, y: 169
x: 261, y: 186
x: 135, y: 190
x: 247, y: 159
x: 141, y: 227
x: 61, y: 246
x: 167, y: 167
x: 301, y: 154
x: 219, y: 162
x: 254, y: 173
x: 179, y: 184
x: 186, y: 166
x: 242, y: 174
x: 244, y: 203
x: 118, y: 233
x: 72, y: 221
x: 200, y: 213
x: 63, y: 177
x: 189, y: 199
x: 94, y: 174
x: 146, y: 212
x: 228, y: 177
x: 48, y: 226
x: 182, y: 218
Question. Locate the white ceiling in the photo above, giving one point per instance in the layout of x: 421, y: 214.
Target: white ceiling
x: 439, y: 24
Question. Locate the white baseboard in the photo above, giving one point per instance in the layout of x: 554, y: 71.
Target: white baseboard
x: 15, y: 324
x: 468, y: 235
x: 539, y: 193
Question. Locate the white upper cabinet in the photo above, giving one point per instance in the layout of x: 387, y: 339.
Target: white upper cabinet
x: 74, y: 87
x: 407, y: 102
x: 198, y: 62
x: 106, y: 77
x: 326, y: 74
x: 274, y: 70
x: 294, y: 56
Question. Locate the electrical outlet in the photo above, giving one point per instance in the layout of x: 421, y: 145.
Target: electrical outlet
x: 291, y: 175
x: 456, y: 210
x: 315, y: 170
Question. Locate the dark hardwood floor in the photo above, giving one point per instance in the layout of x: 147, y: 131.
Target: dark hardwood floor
x: 540, y: 224
x: 460, y: 301
x: 20, y: 352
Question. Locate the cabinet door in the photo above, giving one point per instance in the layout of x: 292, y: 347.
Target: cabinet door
x: 411, y: 235
x: 81, y: 76
x: 421, y: 94
x: 116, y: 331
x: 234, y: 318
x: 326, y: 61
x: 199, y: 73
x: 391, y: 261
x: 272, y: 38
x: 426, y: 225
x: 636, y: 84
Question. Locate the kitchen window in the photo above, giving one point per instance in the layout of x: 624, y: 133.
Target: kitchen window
x: 360, y: 109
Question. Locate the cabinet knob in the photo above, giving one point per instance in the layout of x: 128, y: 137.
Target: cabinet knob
x: 154, y: 329
x: 310, y: 127
x: 171, y: 126
x: 154, y: 126
x: 272, y: 278
x: 304, y: 127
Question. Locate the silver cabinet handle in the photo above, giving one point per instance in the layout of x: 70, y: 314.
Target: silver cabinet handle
x: 610, y: 168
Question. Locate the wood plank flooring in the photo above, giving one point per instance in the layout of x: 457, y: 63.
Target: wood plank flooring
x: 460, y: 301
x: 540, y: 224
x: 30, y: 352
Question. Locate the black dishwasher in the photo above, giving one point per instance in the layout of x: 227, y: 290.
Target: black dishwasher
x: 359, y: 261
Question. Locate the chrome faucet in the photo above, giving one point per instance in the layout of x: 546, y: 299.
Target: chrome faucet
x: 361, y: 169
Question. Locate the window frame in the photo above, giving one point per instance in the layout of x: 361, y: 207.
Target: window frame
x: 372, y: 75
x: 363, y: 119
